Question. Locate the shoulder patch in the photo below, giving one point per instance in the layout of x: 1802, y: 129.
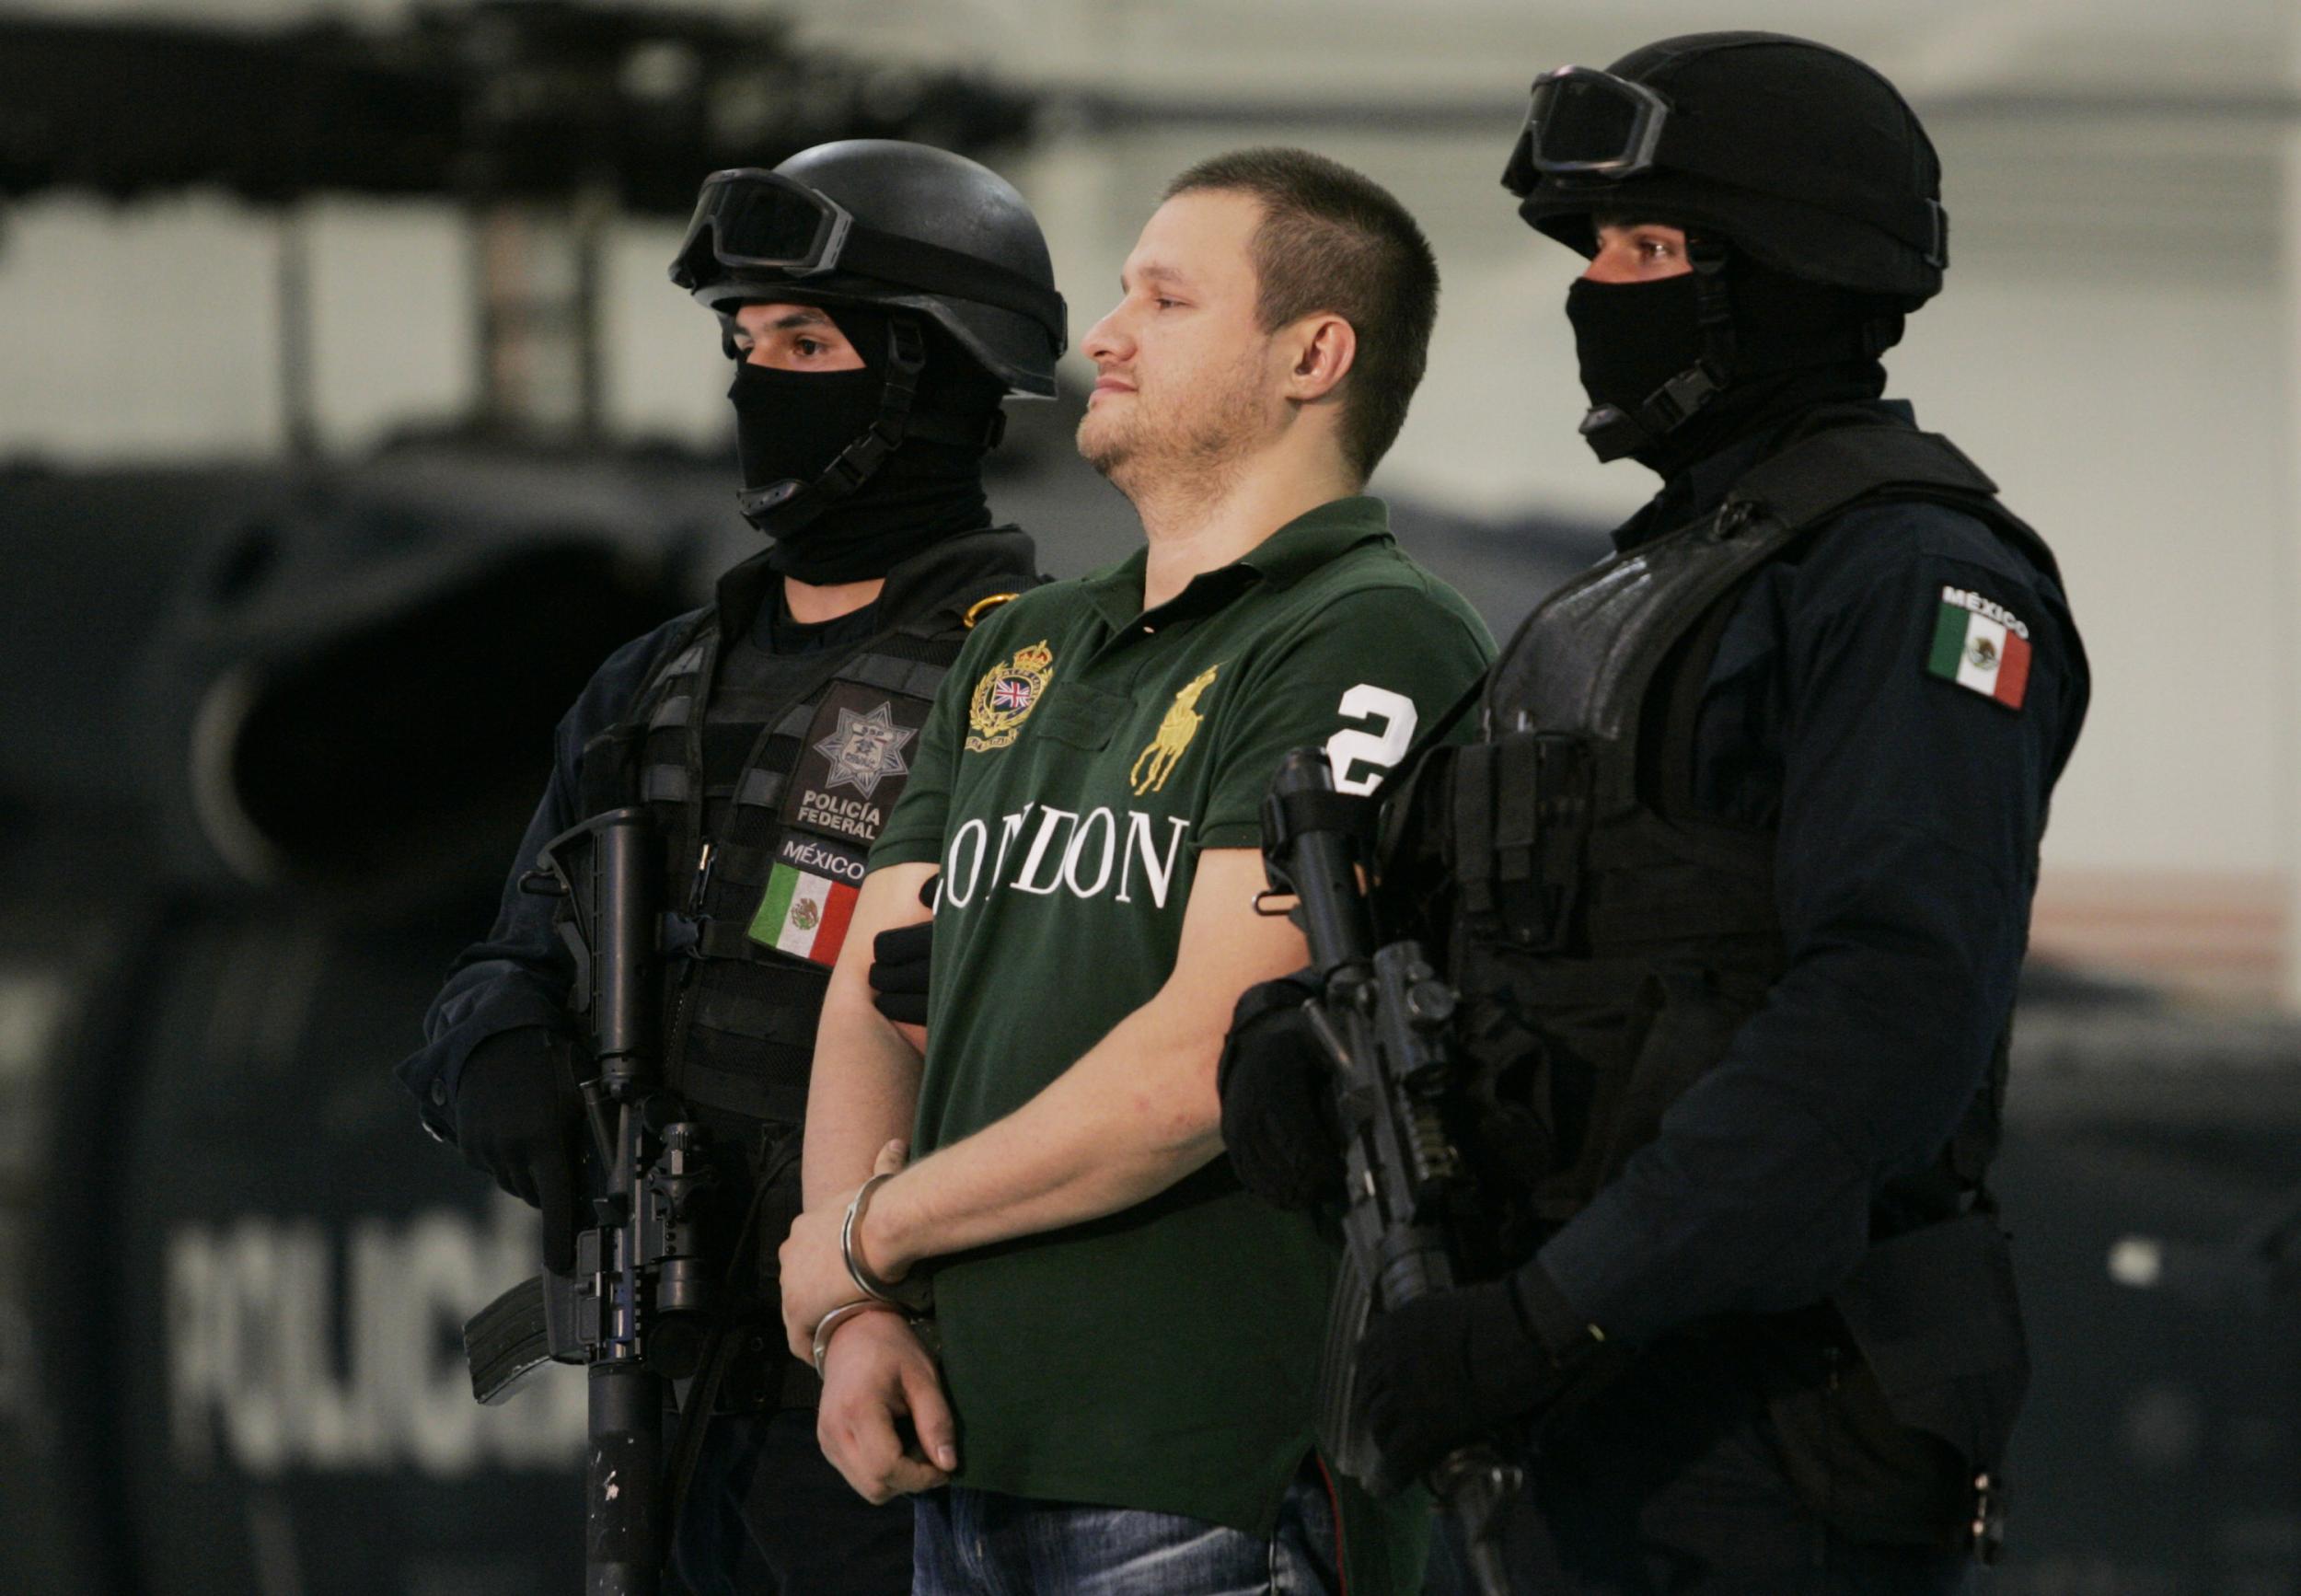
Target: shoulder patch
x: 854, y: 761
x: 1006, y: 695
x: 1981, y: 645
x: 810, y: 898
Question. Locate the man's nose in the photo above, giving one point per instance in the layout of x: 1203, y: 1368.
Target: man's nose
x: 1107, y: 338
x: 1609, y: 266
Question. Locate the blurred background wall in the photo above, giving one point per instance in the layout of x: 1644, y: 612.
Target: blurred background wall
x: 2117, y: 344
x: 290, y: 459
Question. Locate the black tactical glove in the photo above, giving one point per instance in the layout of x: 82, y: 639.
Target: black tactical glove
x: 1448, y: 1369
x: 519, y: 1118
x: 1277, y: 1082
x: 899, y: 959
x: 898, y: 972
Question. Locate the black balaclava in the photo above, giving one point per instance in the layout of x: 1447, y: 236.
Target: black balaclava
x: 1796, y: 344
x: 792, y: 425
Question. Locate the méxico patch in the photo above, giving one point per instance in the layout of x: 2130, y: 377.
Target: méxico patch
x: 854, y: 761
x: 1981, y: 645
x: 810, y: 897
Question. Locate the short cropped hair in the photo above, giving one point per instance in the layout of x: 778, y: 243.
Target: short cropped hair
x: 1334, y: 240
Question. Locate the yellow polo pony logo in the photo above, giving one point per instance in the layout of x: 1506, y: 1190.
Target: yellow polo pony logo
x: 1175, y: 731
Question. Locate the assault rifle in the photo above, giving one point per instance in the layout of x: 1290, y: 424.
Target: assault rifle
x: 1381, y: 1013
x: 635, y: 1310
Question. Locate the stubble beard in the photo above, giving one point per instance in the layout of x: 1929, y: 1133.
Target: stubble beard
x: 1180, y: 453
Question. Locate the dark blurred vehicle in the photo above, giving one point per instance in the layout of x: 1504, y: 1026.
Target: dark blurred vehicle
x: 266, y: 742
x: 2149, y: 1165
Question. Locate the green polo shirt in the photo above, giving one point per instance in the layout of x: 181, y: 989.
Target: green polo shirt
x: 1081, y: 754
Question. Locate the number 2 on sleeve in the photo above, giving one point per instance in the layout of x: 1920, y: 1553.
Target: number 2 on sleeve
x: 1362, y: 757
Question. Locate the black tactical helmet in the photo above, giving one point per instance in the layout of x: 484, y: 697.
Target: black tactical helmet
x: 1796, y: 154
x: 883, y: 222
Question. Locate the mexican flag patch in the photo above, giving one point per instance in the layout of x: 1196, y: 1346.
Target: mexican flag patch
x: 1981, y: 645
x: 810, y: 897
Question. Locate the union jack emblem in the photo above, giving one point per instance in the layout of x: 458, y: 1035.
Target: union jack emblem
x: 1005, y: 696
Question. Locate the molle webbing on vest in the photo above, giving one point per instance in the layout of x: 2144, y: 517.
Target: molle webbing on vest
x: 1520, y: 807
x: 1610, y: 940
x: 720, y: 732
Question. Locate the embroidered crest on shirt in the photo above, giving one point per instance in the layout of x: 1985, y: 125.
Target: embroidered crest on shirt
x: 1981, y: 645
x: 866, y: 749
x: 1179, y: 725
x: 1004, y: 697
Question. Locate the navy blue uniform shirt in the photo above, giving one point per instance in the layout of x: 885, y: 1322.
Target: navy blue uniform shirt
x: 1909, y: 809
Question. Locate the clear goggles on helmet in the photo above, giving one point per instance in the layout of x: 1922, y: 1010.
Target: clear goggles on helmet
x: 761, y: 221
x: 1585, y: 123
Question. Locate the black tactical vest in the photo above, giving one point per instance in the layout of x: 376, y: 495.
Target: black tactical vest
x: 1609, y: 940
x: 1607, y: 937
x: 771, y: 775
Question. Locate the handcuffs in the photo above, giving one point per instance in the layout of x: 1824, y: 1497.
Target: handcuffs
x: 913, y: 1296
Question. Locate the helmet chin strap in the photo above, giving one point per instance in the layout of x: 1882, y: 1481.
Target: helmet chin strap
x: 1614, y: 434
x: 787, y: 505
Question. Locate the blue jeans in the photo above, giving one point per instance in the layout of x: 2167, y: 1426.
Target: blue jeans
x: 976, y: 1543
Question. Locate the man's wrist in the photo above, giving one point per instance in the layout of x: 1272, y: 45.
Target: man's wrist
x: 913, y: 1295
x: 840, y: 1318
x: 880, y: 1234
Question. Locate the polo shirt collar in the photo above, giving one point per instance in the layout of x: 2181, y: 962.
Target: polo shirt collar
x: 1293, y: 552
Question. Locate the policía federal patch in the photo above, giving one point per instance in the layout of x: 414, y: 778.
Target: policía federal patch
x: 1981, y: 645
x: 1004, y: 698
x: 854, y: 761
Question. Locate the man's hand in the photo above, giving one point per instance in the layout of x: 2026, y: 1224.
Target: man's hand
x: 878, y: 1382
x: 519, y: 1118
x: 1278, y: 1087
x: 1445, y: 1370
x: 814, y: 1277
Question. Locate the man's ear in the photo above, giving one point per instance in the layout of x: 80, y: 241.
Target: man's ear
x: 1325, y: 348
